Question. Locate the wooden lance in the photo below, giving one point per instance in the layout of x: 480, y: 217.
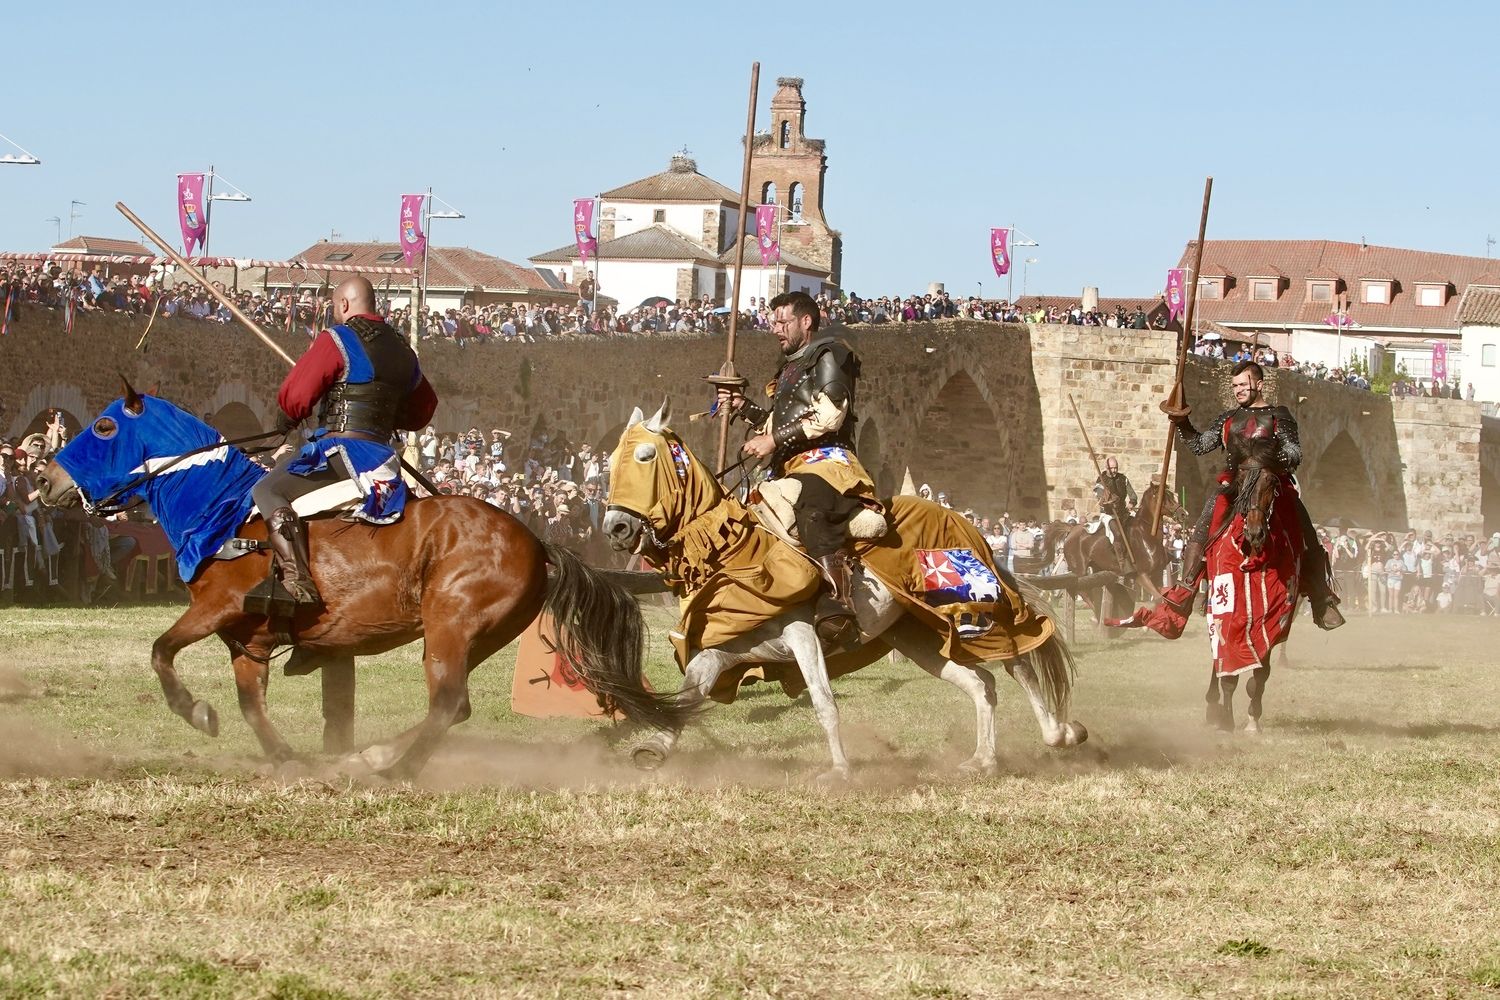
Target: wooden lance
x: 1085, y: 432
x: 727, y: 377
x: 1177, y: 398
x: 196, y: 275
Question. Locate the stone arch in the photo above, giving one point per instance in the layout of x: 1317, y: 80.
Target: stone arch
x: 235, y: 420
x: 794, y: 202
x: 768, y: 193
x: 786, y: 134
x: 235, y: 399
x: 32, y: 415
x: 958, y: 447
x: 1489, y: 499
x: 1338, y: 484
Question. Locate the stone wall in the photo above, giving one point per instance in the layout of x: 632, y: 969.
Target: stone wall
x: 979, y: 410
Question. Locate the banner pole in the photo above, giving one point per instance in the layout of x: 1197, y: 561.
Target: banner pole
x: 727, y: 375
x: 1176, y: 398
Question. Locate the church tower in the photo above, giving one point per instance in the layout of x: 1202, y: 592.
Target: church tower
x: 788, y: 168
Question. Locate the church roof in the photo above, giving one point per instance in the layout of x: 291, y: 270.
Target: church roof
x: 449, y: 268
x: 752, y: 259
x: 679, y: 182
x: 655, y: 242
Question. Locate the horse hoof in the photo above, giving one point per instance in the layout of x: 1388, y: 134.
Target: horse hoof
x: 1252, y: 727
x: 204, y: 718
x: 980, y: 767
x: 649, y: 756
x: 1077, y: 733
x: 834, y: 777
x: 379, y: 758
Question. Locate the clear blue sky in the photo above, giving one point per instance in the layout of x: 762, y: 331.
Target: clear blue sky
x: 1088, y: 125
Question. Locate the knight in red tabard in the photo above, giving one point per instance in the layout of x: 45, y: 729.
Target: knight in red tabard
x: 364, y: 378
x: 1254, y: 542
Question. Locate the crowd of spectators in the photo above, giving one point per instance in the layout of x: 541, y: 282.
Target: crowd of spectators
x: 1213, y: 347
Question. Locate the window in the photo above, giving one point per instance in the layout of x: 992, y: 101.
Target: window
x: 1210, y: 288
x: 1430, y: 295
x: 1263, y: 290
x: 1320, y: 291
x: 796, y: 203
x: 786, y: 134
x: 660, y: 215
x: 768, y: 193
x: 392, y: 255
x: 1377, y: 292
x: 1487, y: 355
x: 337, y: 256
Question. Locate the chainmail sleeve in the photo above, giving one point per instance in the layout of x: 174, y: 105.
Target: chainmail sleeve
x: 1288, y: 444
x: 1203, y: 442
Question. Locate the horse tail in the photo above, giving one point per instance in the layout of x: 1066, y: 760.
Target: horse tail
x: 602, y: 635
x: 1052, y: 661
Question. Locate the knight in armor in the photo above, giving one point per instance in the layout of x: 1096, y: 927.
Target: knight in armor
x: 365, y: 382
x: 1258, y: 439
x: 1117, y: 499
x: 808, y: 434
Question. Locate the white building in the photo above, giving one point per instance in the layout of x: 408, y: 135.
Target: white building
x: 671, y: 235
x: 1479, y: 326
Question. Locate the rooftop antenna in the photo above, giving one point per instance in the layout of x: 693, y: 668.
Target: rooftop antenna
x: 74, y: 215
x: 1489, y: 244
x: 58, y: 222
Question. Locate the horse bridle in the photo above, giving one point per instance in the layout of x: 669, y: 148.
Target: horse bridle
x: 111, y: 504
x: 647, y: 531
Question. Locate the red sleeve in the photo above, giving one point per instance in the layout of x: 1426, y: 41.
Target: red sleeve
x: 311, y: 377
x: 420, y: 406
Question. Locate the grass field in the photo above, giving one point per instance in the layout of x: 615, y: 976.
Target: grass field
x: 1353, y: 851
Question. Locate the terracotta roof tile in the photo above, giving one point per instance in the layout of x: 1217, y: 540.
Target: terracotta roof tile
x: 1480, y: 307
x: 679, y: 182
x: 752, y: 259
x: 448, y: 268
x: 103, y: 245
x: 655, y: 242
x: 1297, y: 259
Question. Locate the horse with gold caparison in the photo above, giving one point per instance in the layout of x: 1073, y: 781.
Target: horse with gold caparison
x: 928, y: 588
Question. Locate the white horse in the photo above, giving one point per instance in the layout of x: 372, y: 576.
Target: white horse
x: 643, y: 514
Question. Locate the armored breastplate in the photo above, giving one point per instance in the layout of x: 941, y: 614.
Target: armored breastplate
x: 1250, y: 438
x: 377, y: 378
x: 825, y: 365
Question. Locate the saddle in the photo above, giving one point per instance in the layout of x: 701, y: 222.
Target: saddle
x: 774, y: 505
x: 1101, y: 522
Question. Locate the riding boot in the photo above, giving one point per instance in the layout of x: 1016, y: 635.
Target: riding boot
x: 287, y: 537
x: 833, y: 614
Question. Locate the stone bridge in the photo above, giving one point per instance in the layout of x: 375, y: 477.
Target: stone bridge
x: 980, y: 410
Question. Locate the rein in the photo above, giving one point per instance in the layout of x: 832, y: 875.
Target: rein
x: 111, y: 504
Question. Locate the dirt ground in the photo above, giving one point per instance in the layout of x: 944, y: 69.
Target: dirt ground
x: 1350, y: 851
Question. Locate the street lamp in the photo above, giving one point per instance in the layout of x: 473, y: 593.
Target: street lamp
x: 427, y: 217
x: 24, y: 160
x: 1026, y: 273
x: 233, y: 195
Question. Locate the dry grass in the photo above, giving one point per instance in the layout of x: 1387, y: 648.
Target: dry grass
x: 1354, y: 851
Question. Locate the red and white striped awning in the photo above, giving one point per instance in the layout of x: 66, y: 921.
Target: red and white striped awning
x: 241, y: 263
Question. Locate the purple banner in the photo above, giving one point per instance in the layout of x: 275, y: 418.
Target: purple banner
x: 1176, y: 293
x: 765, y: 235
x: 413, y: 241
x: 191, y: 213
x: 1440, y: 361
x: 583, y: 228
x: 1000, y: 250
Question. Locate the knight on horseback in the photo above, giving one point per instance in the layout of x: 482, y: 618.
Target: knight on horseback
x: 1260, y: 439
x: 1117, y: 499
x: 808, y: 434
x: 365, y: 381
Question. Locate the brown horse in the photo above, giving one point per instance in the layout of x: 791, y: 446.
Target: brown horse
x: 457, y: 573
x: 1094, y: 553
